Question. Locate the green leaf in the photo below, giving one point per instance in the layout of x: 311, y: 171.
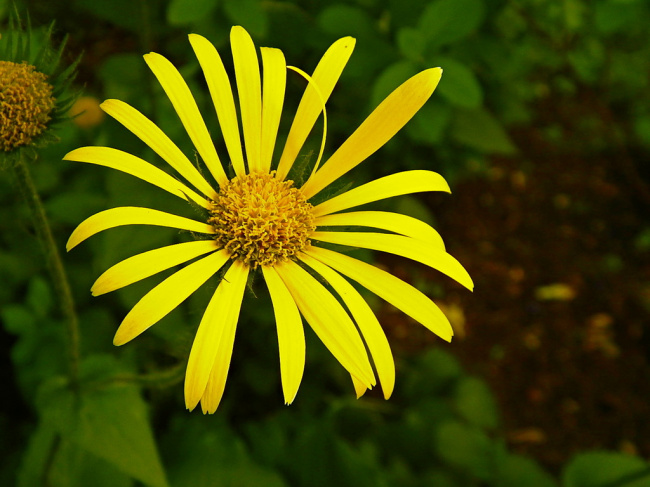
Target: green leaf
x: 447, y: 21
x: 39, y: 297
x: 182, y: 12
x: 518, y: 471
x: 458, y: 84
x: 121, y: 73
x: 480, y: 130
x: 411, y: 43
x: 345, y: 20
x: 393, y: 76
x: 17, y: 319
x: 614, y: 16
x: 475, y: 403
x: 435, y: 372
x: 109, y: 422
x: 429, y: 125
x: 74, y: 206
x: 125, y: 13
x: 600, y: 469
x: 207, y: 456
x: 58, y: 462
x: 466, y: 447
x: 249, y: 14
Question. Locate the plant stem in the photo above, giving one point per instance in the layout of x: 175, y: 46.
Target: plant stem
x: 54, y: 265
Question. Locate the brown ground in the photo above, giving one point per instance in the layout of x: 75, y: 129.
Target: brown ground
x: 558, y: 323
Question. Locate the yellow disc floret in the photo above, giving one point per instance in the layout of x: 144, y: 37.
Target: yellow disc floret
x: 25, y: 104
x: 261, y: 220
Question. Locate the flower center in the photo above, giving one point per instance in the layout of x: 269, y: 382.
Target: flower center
x: 261, y: 220
x: 25, y: 104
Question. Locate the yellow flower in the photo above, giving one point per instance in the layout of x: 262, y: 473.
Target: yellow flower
x: 259, y: 220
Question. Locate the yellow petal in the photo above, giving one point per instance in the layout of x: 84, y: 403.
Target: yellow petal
x: 393, y: 222
x: 325, y: 76
x: 247, y: 73
x: 388, y: 287
x: 167, y: 295
x: 131, y: 215
x: 130, y: 164
x: 207, y: 367
x: 149, y: 263
x: 291, y: 336
x: 275, y: 80
x: 404, y: 246
x: 222, y: 98
x: 366, y: 320
x: 359, y: 388
x: 380, y: 126
x: 183, y: 101
x: 150, y: 134
x: 397, y: 184
x: 329, y: 320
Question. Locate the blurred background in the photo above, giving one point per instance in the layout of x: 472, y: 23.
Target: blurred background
x: 541, y: 125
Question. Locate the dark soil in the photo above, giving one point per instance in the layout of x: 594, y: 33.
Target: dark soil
x: 558, y: 322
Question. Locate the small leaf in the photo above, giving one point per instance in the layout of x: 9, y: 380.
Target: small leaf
x: 393, y: 76
x: 125, y: 13
x: 599, y: 469
x: 39, y: 297
x: 430, y: 123
x: 447, y: 21
x: 518, y: 471
x: 345, y: 20
x: 17, y: 319
x: 411, y: 43
x: 248, y: 13
x: 464, y: 446
x: 201, y: 456
x: 182, y: 12
x: 480, y: 130
x: 458, y: 84
x: 475, y: 403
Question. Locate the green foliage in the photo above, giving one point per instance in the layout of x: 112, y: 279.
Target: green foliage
x: 126, y: 424
x: 606, y: 469
x: 107, y: 420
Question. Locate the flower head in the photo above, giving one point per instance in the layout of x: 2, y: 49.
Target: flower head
x: 32, y: 88
x: 260, y: 221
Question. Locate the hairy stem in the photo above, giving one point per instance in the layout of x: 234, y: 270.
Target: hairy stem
x: 54, y: 266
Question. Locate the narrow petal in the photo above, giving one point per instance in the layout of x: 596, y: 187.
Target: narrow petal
x: 380, y: 126
x: 329, y: 320
x: 291, y: 336
x: 130, y: 164
x: 325, y: 76
x: 150, y: 134
x: 366, y: 320
x: 388, y: 287
x: 132, y: 215
x: 397, y: 184
x: 209, y: 361
x: 222, y: 98
x: 393, y: 222
x: 275, y: 81
x: 404, y: 246
x: 359, y: 388
x: 249, y: 87
x: 167, y: 295
x: 181, y: 97
x: 149, y: 263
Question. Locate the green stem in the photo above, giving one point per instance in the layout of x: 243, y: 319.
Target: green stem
x: 54, y: 265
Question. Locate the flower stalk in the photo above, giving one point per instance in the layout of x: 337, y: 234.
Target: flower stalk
x: 54, y: 265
